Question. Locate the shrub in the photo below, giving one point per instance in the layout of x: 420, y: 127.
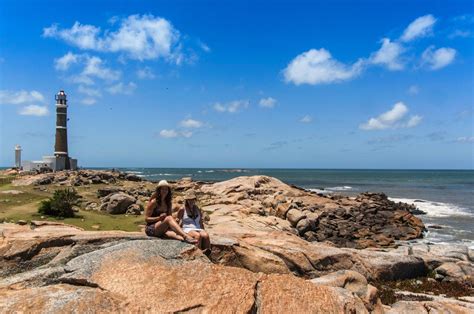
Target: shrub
x: 60, y: 204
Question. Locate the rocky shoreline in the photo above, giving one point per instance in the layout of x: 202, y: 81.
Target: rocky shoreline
x: 274, y: 247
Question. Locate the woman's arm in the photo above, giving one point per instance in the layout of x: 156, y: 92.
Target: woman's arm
x: 149, y: 212
x: 201, y: 221
x: 179, y: 216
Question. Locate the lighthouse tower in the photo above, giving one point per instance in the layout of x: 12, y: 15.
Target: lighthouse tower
x: 18, y: 156
x: 60, y: 160
x: 60, y: 147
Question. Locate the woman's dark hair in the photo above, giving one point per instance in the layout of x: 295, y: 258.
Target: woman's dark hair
x: 193, y: 210
x: 168, y: 198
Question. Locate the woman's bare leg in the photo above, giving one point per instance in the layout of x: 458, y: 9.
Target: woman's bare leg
x: 205, y: 240
x: 172, y: 235
x: 194, y: 234
x: 172, y: 225
x: 160, y: 228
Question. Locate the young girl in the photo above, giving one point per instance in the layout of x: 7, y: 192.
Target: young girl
x: 191, y: 222
x: 158, y: 218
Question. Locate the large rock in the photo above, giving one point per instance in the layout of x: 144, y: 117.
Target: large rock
x: 354, y: 282
x: 279, y: 293
x: 117, y: 203
x: 60, y: 299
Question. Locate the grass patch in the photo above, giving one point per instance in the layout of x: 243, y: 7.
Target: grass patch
x: 24, y: 206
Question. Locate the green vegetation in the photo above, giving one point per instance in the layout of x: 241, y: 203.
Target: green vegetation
x: 60, y: 204
x: 24, y: 206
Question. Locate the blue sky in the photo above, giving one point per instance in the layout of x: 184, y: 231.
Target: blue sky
x: 299, y: 84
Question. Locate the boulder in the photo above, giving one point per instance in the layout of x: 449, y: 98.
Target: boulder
x: 280, y: 293
x: 134, y: 209
x: 354, y: 282
x: 102, y: 192
x: 117, y: 203
x: 294, y: 215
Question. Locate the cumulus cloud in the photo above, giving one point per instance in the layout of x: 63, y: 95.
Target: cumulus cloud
x: 92, y: 92
x: 392, y: 119
x: 34, y: 110
x: 421, y: 27
x: 439, y: 58
x: 174, y: 134
x: 268, y: 102
x: 306, y: 119
x: 63, y: 63
x: 121, y: 88
x: 140, y: 37
x: 145, y: 73
x: 95, y: 67
x: 191, y: 124
x: 317, y: 66
x: 231, y: 107
x: 21, y: 97
x: 389, y: 55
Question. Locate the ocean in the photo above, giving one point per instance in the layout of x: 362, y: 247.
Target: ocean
x: 447, y: 196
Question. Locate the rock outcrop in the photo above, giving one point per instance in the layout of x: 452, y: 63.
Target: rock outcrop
x: 266, y: 257
x: 368, y: 220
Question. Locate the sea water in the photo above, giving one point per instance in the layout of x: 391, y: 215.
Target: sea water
x: 447, y: 196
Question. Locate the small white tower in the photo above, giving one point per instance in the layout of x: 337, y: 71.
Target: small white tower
x: 18, y: 156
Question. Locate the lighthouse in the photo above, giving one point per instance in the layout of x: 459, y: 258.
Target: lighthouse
x: 60, y: 146
x: 18, y: 156
x: 60, y: 160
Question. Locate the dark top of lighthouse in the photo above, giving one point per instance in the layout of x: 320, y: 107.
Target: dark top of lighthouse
x: 61, y: 98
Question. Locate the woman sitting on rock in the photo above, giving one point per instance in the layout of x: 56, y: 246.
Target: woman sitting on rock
x: 158, y: 218
x: 191, y: 221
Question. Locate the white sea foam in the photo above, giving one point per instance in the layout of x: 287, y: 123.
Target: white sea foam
x: 320, y: 191
x: 436, y: 209
x: 134, y: 172
x: 340, y: 188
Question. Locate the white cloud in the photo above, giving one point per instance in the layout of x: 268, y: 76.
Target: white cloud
x: 413, y: 90
x: 121, y: 88
x: 191, y: 124
x: 95, y: 67
x: 140, y: 37
x: 92, y: 92
x: 306, y: 119
x: 318, y: 67
x: 34, y: 110
x: 204, y: 47
x: 63, y: 63
x: 174, y: 134
x: 88, y: 101
x: 465, y: 139
x: 438, y: 58
x: 421, y: 27
x: 459, y: 33
x: 268, y: 102
x: 169, y: 133
x: 20, y: 97
x: 145, y: 73
x: 414, y: 121
x: 388, y: 55
x: 392, y: 119
x: 231, y: 107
